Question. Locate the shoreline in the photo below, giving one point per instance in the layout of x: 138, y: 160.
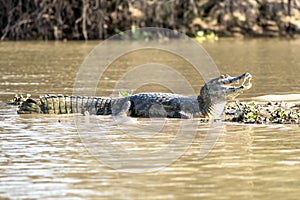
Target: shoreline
x: 97, y: 20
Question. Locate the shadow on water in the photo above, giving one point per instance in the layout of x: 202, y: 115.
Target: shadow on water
x: 42, y: 156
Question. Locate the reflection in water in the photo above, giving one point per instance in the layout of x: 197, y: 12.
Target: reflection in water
x: 43, y: 157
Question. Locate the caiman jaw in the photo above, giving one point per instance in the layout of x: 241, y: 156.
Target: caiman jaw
x: 234, y: 86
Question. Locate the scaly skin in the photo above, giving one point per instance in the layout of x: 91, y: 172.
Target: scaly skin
x: 144, y: 104
x: 52, y: 104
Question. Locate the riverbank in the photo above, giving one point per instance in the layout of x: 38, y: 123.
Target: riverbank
x: 99, y: 19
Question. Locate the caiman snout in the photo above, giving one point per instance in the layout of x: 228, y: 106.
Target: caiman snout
x: 226, y: 86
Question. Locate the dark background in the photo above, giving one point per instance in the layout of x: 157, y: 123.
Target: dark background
x: 99, y: 19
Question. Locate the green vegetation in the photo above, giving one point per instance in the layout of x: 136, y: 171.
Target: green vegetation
x: 255, y: 112
x: 125, y: 93
x: 206, y: 36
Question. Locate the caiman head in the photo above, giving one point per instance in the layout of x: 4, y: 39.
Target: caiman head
x: 220, y: 89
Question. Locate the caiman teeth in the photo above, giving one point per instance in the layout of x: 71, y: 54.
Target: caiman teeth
x: 247, y: 83
x: 248, y: 86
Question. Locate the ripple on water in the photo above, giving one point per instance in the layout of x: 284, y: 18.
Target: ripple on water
x: 44, y: 158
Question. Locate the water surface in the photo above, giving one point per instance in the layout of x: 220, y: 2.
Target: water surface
x: 43, y: 157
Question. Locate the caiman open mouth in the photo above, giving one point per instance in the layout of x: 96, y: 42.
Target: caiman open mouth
x: 239, y: 82
x: 233, y: 86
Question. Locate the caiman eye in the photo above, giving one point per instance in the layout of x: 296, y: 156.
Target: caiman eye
x: 224, y: 76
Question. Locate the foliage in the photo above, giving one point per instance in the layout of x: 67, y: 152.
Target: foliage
x: 100, y: 19
x: 125, y: 93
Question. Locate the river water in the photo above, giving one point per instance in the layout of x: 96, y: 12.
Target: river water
x: 53, y: 157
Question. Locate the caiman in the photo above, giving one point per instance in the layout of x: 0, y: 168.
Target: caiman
x: 169, y: 105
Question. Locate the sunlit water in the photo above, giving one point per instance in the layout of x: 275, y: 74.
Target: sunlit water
x: 43, y: 157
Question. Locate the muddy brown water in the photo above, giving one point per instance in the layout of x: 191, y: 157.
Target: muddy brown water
x: 45, y: 157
